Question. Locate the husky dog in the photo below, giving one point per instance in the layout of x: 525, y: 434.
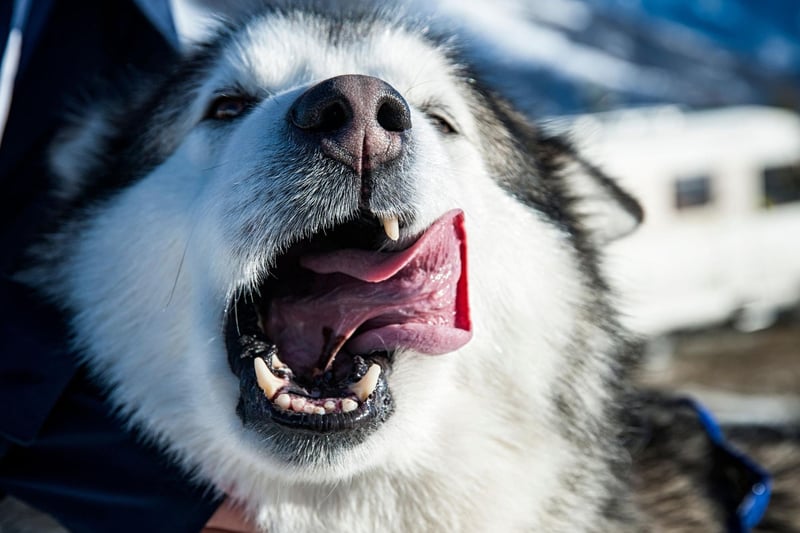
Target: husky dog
x: 345, y: 282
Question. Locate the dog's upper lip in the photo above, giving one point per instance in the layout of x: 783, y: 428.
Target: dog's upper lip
x: 369, y: 301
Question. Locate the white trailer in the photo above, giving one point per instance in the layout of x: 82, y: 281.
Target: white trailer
x: 721, y: 193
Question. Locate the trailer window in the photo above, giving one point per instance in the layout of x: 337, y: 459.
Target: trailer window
x: 694, y: 191
x: 781, y: 185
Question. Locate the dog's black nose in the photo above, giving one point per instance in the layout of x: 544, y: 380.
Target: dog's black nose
x: 356, y: 120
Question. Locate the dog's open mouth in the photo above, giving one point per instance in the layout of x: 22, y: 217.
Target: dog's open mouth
x: 314, y: 345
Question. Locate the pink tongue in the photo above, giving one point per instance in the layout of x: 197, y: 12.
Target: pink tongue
x: 376, y: 301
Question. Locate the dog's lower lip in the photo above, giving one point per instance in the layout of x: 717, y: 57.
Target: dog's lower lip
x: 363, y: 404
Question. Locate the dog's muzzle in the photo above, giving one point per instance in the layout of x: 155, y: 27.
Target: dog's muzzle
x: 314, y: 343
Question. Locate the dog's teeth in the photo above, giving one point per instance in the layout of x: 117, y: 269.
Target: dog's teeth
x: 349, y: 405
x: 366, y: 385
x: 298, y: 404
x: 319, y: 410
x: 269, y: 382
x: 329, y: 406
x: 309, y: 408
x: 283, y: 401
x: 392, y: 227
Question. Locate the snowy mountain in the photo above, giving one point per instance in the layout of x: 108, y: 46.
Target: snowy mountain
x: 566, y: 56
x: 570, y: 56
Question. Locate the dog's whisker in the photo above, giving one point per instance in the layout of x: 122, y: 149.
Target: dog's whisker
x: 236, y: 313
x: 178, y: 273
x: 217, y: 166
x: 334, y: 486
x: 420, y: 71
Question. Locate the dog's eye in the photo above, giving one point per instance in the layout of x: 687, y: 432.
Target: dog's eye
x: 227, y: 107
x: 442, y: 124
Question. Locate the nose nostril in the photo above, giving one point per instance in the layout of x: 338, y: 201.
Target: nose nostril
x: 393, y: 116
x: 353, y: 119
x: 333, y: 117
x: 320, y: 117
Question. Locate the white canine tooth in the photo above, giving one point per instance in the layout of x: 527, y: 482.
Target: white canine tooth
x: 330, y: 406
x: 298, y: 404
x: 269, y: 382
x: 366, y: 385
x: 319, y: 410
x: 283, y: 401
x: 309, y: 408
x: 392, y: 227
x: 349, y: 405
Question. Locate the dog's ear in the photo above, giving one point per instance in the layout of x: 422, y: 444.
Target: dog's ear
x: 604, y: 209
x: 76, y: 151
x: 600, y: 206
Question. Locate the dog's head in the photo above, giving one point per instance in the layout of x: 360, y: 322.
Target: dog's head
x: 320, y: 245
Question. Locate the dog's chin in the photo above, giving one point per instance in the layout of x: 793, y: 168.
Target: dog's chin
x: 305, y: 421
x: 313, y: 441
x: 314, y: 345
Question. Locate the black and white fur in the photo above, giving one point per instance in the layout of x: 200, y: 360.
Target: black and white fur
x: 168, y: 215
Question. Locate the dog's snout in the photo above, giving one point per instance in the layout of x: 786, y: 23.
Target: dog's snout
x: 357, y: 120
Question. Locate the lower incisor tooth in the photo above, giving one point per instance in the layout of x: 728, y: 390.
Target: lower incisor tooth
x: 319, y: 410
x: 329, y: 406
x: 349, y: 405
x: 309, y: 408
x: 298, y: 404
x: 283, y: 401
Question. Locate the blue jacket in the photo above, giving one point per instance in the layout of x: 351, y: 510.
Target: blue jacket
x: 62, y: 449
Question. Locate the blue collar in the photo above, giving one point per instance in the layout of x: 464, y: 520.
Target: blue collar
x: 751, y: 509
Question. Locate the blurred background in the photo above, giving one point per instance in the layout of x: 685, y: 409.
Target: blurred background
x: 693, y: 107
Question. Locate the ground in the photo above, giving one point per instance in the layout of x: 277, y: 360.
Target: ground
x: 740, y: 376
